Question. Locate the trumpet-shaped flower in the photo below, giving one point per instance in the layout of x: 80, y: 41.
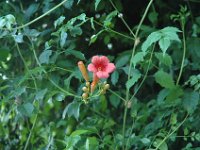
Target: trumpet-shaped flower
x: 101, y: 66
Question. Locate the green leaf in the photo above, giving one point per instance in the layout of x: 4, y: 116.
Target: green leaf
x: 110, y: 16
x: 31, y: 10
x: 80, y: 132
x: 114, y: 100
x: 164, y: 79
x: 18, y: 91
x: 60, y: 96
x: 4, y: 53
x: 114, y: 77
x: 164, y: 59
x: 109, y: 124
x: 136, y: 76
x: 10, y: 19
x: 163, y: 146
x: 81, y: 17
x: 138, y: 58
x: 145, y: 141
x: 152, y: 38
x: 97, y: 3
x: 59, y: 21
x: 44, y: 56
x: 164, y: 36
x: 174, y: 94
x: 122, y: 60
x: 153, y: 17
x: 75, y: 31
x: 92, y: 23
x: 68, y: 4
x: 40, y: 94
x: 164, y: 44
x: 75, y: 53
x: 63, y: 37
x: 190, y: 101
x: 171, y: 33
x: 31, y: 32
x: 72, y: 109
x: 162, y: 95
x: 92, y: 143
x: 18, y: 38
x: 2, y: 22
x: 72, y: 141
x: 26, y: 109
x: 103, y: 103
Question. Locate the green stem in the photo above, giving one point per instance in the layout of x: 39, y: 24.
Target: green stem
x: 113, y: 31
x: 184, y: 52
x: 111, y: 91
x: 171, y: 132
x: 52, y: 82
x: 25, y: 64
x: 125, y: 23
x: 30, y: 133
x: 130, y: 66
x: 124, y: 124
x: 145, y: 76
x: 43, y: 15
x: 130, y: 133
x: 139, y: 88
x: 143, y: 17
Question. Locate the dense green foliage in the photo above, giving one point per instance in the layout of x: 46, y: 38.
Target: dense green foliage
x: 154, y: 96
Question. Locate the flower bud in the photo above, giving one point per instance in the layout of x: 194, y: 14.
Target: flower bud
x: 94, y: 83
x: 120, y: 15
x: 107, y: 86
x: 103, y: 91
x: 85, y: 89
x: 83, y: 70
x: 87, y: 84
x: 84, y: 96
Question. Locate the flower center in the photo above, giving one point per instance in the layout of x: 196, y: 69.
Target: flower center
x: 99, y: 69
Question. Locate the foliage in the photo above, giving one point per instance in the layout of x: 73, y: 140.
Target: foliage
x: 153, y: 99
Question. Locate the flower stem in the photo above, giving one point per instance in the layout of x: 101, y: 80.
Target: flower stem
x: 184, y: 52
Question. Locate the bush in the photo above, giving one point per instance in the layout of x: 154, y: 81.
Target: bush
x: 140, y: 91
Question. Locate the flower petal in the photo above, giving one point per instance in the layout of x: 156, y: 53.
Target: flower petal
x: 95, y: 60
x: 110, y: 67
x: 104, y: 60
x: 91, y: 68
x: 102, y: 74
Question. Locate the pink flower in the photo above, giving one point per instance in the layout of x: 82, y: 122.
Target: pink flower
x: 101, y: 66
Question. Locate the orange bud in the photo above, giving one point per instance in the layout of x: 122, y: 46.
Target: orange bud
x: 94, y: 83
x: 95, y: 79
x: 83, y: 70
